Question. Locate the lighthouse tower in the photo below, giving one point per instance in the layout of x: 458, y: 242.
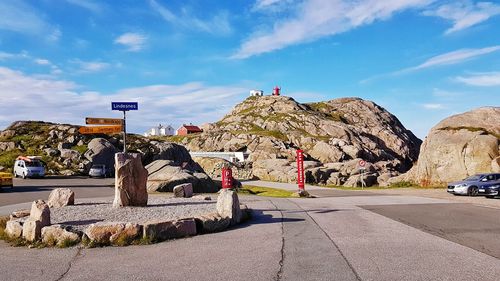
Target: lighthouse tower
x: 276, y: 91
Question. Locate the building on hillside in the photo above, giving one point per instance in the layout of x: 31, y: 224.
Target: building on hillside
x: 188, y: 129
x: 160, y: 130
x: 256, y: 93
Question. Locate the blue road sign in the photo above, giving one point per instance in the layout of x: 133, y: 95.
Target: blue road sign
x: 124, y: 106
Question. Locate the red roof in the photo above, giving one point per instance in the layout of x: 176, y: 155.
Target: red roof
x: 192, y: 128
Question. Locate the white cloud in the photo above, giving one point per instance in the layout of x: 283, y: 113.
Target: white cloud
x: 35, y: 98
x: 134, y: 41
x: 218, y: 24
x: 464, y: 14
x: 20, y: 17
x: 486, y: 79
x: 272, y: 5
x: 433, y: 106
x: 319, y: 18
x: 90, y: 5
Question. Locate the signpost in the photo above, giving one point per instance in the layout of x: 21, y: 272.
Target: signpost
x: 101, y: 130
x: 124, y: 107
x: 103, y: 121
x: 300, y: 170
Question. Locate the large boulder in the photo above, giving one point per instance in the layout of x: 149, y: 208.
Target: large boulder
x: 14, y: 228
x: 105, y: 233
x: 130, y: 181
x: 32, y: 230
x: 58, y: 235
x: 160, y: 230
x: 457, y: 147
x: 101, y: 151
x: 61, y: 197
x: 164, y: 175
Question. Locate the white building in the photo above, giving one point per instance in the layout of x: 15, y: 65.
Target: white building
x: 256, y: 93
x: 160, y: 130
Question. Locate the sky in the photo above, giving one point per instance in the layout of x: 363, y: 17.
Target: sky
x: 193, y: 61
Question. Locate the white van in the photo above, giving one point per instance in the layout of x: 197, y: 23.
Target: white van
x: 28, y: 167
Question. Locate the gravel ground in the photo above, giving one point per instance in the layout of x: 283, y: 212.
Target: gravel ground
x: 86, y: 212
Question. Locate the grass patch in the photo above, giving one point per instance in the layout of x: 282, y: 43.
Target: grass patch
x: 265, y: 191
x: 80, y: 148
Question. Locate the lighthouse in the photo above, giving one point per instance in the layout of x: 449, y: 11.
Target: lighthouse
x: 276, y: 91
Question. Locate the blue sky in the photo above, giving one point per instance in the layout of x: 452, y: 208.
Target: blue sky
x: 192, y: 61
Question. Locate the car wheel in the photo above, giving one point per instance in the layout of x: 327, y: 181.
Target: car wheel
x: 15, y: 174
x: 24, y: 176
x: 473, y: 191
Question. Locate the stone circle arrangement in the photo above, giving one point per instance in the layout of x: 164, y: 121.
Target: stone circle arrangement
x: 128, y: 219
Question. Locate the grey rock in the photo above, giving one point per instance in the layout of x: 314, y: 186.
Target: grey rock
x: 104, y: 233
x: 101, y: 151
x: 228, y: 205
x: 163, y: 230
x: 183, y: 190
x: 212, y: 222
x: 14, y: 228
x: 32, y: 230
x: 58, y: 235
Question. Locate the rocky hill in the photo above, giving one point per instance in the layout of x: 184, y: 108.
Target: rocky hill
x: 67, y: 152
x: 459, y: 146
x: 335, y: 131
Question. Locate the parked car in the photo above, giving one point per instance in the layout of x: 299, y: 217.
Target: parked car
x: 29, y: 167
x: 474, y: 185
x: 490, y: 191
x: 100, y: 171
x: 6, y: 180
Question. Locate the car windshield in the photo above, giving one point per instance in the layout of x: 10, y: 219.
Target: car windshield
x: 33, y: 164
x: 474, y: 178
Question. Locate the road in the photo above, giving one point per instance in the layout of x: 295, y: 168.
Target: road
x: 342, y: 235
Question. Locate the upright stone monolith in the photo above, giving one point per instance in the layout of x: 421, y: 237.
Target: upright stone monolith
x: 130, y: 180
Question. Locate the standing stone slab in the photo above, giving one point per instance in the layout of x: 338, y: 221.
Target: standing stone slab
x: 40, y: 211
x: 32, y: 230
x: 228, y: 205
x: 163, y: 230
x: 130, y: 181
x: 14, y: 228
x: 61, y: 197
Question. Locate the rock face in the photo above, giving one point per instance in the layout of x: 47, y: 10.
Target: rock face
x: 457, y: 147
x: 228, y: 206
x: 164, y: 175
x: 328, y: 132
x: 61, y: 197
x: 130, y: 181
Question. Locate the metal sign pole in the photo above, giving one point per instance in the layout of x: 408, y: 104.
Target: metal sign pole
x: 124, y: 132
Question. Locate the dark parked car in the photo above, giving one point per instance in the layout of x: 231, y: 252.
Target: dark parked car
x: 479, y: 184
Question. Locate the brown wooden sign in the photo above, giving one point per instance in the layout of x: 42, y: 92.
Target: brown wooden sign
x: 101, y: 130
x: 103, y: 121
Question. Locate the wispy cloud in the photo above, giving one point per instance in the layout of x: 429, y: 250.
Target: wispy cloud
x: 42, y: 62
x: 485, y: 79
x: 133, y: 41
x: 319, y: 18
x: 158, y: 103
x: 18, y: 16
x: 464, y: 14
x: 454, y: 57
x: 90, y: 66
x: 90, y: 5
x: 433, y: 106
x: 450, y: 58
x: 218, y: 24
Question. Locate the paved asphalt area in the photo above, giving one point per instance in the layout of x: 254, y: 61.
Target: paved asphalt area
x: 340, y: 236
